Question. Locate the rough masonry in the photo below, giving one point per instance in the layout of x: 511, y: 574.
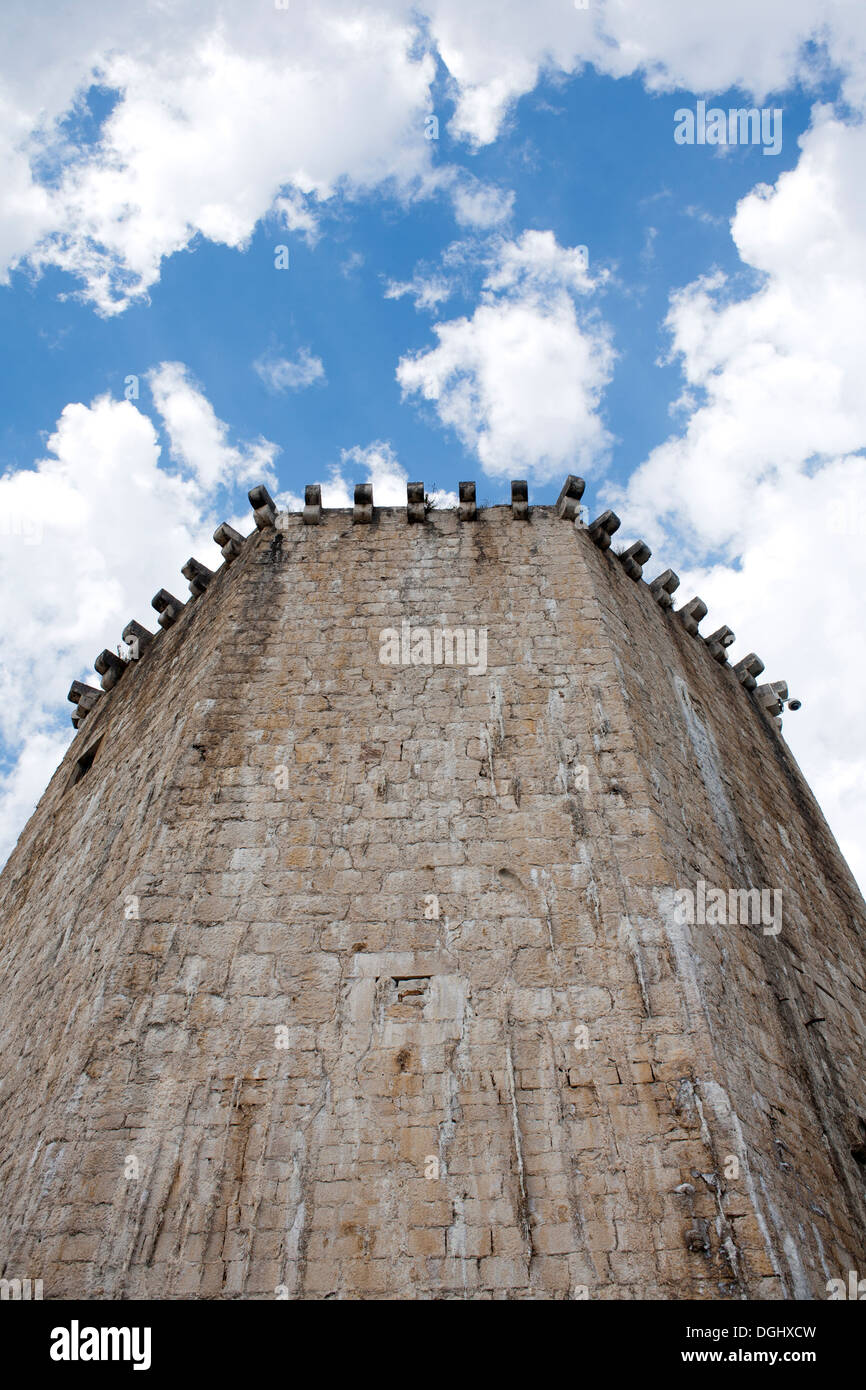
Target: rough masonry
x: 324, y: 977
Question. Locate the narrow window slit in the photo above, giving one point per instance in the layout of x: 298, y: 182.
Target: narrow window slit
x: 84, y: 763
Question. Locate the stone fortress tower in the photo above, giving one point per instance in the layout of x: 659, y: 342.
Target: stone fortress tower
x: 348, y: 955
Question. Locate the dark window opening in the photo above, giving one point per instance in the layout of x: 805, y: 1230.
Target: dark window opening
x: 84, y: 763
x: 858, y: 1150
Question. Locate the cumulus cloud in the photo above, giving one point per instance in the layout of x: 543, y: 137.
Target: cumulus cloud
x: 87, y: 536
x: 767, y: 476
x: 481, y: 205
x: 221, y: 118
x: 495, y: 53
x: 198, y: 440
x: 520, y: 382
x: 283, y: 374
x: 226, y: 114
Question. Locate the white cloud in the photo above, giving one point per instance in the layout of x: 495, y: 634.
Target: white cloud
x: 39, y: 754
x: 456, y: 267
x: 353, y: 262
x: 95, y: 528
x: 536, y: 263
x: 296, y: 216
x: 481, y: 205
x: 86, y: 538
x: 495, y: 53
x: 520, y: 381
x: 766, y: 473
x: 427, y: 290
x: 223, y: 117
x: 219, y: 121
x: 282, y: 374
x: 198, y: 440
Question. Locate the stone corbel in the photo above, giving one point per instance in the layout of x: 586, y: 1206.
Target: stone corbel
x: 415, y: 507
x: 747, y: 669
x: 137, y: 638
x: 168, y: 607
x: 601, y: 530
x: 691, y: 614
x: 110, y: 667
x: 718, y: 643
x: 313, y: 504
x: 634, y: 559
x: 664, y: 587
x: 229, y: 540
x: 362, y: 513
x: 264, y: 507
x: 84, y: 697
x: 520, y: 500
x: 199, y: 576
x: 772, y: 697
x: 568, y: 501
x: 467, y: 510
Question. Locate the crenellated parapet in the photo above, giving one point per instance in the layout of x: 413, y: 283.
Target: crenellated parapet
x: 770, y: 698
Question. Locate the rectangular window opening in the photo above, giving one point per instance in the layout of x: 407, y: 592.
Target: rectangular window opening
x: 84, y: 763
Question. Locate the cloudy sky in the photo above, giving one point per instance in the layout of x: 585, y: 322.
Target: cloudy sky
x: 332, y: 241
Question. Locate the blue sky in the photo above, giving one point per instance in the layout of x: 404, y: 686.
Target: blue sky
x: 588, y: 157
x: 703, y: 369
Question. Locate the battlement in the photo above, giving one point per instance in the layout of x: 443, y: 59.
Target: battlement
x: 769, y: 699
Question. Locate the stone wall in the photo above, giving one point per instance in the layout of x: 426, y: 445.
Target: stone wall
x: 334, y: 978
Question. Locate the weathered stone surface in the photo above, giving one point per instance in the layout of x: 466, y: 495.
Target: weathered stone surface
x: 371, y: 972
